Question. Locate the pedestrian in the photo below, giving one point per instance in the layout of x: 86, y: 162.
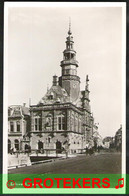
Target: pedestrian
x: 91, y: 151
x: 11, y: 151
x: 66, y: 151
x: 87, y: 151
x: 14, y: 150
x: 98, y: 148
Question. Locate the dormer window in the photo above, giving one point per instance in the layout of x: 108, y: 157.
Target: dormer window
x: 58, y: 100
x: 50, y: 97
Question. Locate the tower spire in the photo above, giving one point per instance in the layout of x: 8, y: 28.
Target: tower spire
x: 87, y: 82
x: 69, y: 79
x: 69, y: 32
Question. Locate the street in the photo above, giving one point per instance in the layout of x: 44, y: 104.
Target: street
x: 106, y: 163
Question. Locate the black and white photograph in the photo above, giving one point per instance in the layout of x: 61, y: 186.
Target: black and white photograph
x: 64, y: 88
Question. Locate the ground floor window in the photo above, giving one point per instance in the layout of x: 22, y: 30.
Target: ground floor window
x: 16, y: 144
x: 9, y: 146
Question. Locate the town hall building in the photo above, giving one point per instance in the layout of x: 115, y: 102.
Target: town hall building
x: 62, y: 119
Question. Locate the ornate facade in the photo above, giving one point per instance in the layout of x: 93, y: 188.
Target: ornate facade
x: 63, y: 118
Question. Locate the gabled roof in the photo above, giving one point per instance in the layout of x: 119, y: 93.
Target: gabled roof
x: 56, y: 94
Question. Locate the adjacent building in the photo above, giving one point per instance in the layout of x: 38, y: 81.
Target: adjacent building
x: 97, y: 138
x: 18, y: 127
x: 114, y: 142
x: 108, y: 141
x: 118, y: 139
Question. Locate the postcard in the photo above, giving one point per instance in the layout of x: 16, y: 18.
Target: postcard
x: 64, y: 127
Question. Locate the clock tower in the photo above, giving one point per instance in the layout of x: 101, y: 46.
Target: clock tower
x: 69, y: 79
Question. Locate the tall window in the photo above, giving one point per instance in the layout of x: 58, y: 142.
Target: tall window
x: 11, y: 126
x: 18, y: 126
x: 38, y: 124
x: 79, y: 125
x: 9, y: 145
x: 49, y: 140
x: 61, y: 122
x: 72, y: 121
x: 16, y: 143
x: 76, y: 124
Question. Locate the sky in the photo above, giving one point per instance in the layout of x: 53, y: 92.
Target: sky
x: 36, y: 40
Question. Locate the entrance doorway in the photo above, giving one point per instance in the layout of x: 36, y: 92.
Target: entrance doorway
x: 58, y: 146
x: 27, y: 148
x: 16, y: 143
x: 40, y: 146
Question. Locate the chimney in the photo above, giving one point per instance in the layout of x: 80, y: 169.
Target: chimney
x: 55, y: 82
x: 24, y: 104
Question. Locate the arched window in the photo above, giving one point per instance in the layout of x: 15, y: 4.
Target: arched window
x: 16, y: 143
x: 9, y: 146
x: 72, y: 56
x: 68, y: 45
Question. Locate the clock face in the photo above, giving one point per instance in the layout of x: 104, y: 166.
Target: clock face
x: 74, y: 85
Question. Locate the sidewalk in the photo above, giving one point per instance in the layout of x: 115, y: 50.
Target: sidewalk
x: 24, y: 160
